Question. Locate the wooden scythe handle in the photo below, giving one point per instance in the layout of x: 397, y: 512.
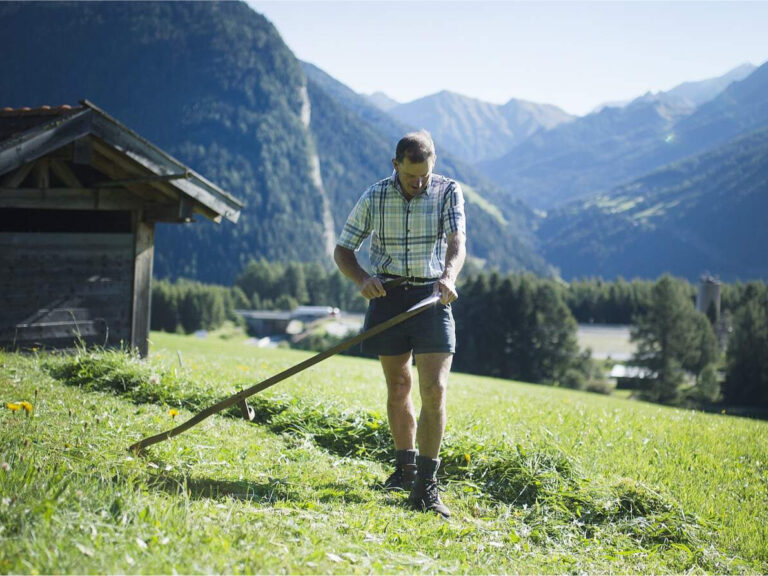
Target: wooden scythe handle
x: 271, y: 381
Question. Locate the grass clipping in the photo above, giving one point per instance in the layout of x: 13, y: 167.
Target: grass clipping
x: 543, y: 485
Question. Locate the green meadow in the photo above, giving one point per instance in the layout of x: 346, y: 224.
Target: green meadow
x: 539, y: 479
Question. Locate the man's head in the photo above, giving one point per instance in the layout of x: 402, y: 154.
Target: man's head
x: 414, y: 160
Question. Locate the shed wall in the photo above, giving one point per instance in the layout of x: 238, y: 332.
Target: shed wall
x: 55, y: 287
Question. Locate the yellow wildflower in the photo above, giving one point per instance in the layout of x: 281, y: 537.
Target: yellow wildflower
x: 13, y: 407
x: 27, y: 406
x: 467, y: 458
x: 173, y: 412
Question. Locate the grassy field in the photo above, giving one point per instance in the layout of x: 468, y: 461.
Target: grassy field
x: 540, y: 480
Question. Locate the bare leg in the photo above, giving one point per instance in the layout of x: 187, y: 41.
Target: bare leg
x: 400, y: 411
x: 433, y: 381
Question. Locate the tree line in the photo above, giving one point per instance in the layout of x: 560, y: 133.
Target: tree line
x: 678, y: 346
x: 518, y: 327
x: 186, y: 306
x: 523, y: 327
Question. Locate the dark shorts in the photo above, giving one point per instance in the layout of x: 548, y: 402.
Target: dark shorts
x: 431, y: 331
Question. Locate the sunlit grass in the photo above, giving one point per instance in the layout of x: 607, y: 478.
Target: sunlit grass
x: 622, y: 486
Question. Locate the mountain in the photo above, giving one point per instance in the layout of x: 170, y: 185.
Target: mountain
x: 602, y: 150
x: 392, y: 129
x: 740, y: 108
x: 585, y: 156
x: 702, y: 91
x: 697, y: 92
x: 355, y: 141
x: 382, y: 101
x: 214, y: 85
x: 705, y: 213
x: 474, y: 130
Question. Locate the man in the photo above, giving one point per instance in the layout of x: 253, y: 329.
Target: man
x: 418, y: 227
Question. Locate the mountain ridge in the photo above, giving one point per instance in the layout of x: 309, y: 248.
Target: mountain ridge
x: 214, y: 85
x: 473, y: 129
x: 703, y: 213
x: 594, y: 153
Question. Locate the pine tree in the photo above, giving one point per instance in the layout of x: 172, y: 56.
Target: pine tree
x: 746, y: 379
x: 672, y: 338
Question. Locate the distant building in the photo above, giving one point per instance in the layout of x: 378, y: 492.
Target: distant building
x: 630, y: 377
x: 708, y: 302
x: 708, y: 298
x: 263, y: 323
x: 80, y: 194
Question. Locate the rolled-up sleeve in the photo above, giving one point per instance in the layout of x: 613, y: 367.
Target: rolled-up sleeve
x: 454, y: 219
x: 358, y: 225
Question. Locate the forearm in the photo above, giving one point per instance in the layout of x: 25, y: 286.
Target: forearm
x: 370, y: 286
x: 348, y: 265
x: 455, y: 255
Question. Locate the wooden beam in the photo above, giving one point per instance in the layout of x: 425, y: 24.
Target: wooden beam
x: 114, y: 165
x: 118, y: 167
x: 143, y: 180
x: 44, y: 139
x: 15, y: 178
x: 154, y: 161
x: 142, y: 288
x: 65, y: 174
x: 69, y: 199
x: 43, y: 173
x: 183, y: 211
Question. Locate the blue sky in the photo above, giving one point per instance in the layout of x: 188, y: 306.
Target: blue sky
x: 573, y: 54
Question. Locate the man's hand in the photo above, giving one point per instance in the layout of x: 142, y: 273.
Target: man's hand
x: 447, y: 291
x: 371, y: 288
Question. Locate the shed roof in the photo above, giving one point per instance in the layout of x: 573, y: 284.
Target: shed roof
x: 27, y: 134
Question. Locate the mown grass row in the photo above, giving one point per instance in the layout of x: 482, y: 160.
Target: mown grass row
x: 546, y: 485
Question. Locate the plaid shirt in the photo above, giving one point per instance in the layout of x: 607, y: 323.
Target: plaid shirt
x: 409, y: 238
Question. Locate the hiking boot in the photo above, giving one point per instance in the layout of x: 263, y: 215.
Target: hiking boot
x: 425, y: 496
x: 402, y: 478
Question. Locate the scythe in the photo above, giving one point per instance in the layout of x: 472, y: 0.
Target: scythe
x: 240, y: 397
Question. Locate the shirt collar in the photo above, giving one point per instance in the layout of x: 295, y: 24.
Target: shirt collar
x: 396, y: 184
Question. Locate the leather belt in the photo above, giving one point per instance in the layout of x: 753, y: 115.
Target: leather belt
x: 391, y: 280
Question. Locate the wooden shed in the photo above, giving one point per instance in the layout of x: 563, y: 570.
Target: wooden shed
x: 79, y: 197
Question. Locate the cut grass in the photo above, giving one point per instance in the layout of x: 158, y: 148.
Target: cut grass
x: 523, y: 502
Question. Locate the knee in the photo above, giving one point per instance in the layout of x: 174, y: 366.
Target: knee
x: 433, y: 395
x: 399, y: 388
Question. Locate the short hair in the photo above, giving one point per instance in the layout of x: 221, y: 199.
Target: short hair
x: 418, y: 147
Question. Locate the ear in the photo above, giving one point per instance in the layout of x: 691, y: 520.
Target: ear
x: 394, y: 164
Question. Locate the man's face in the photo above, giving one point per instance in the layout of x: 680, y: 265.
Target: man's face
x: 414, y: 176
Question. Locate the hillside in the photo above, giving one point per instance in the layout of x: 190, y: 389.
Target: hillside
x: 355, y: 142
x: 705, y: 213
x: 583, y: 157
x: 473, y: 130
x: 540, y: 479
x: 214, y: 85
x: 602, y: 150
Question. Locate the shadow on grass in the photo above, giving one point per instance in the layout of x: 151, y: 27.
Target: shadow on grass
x: 268, y: 492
